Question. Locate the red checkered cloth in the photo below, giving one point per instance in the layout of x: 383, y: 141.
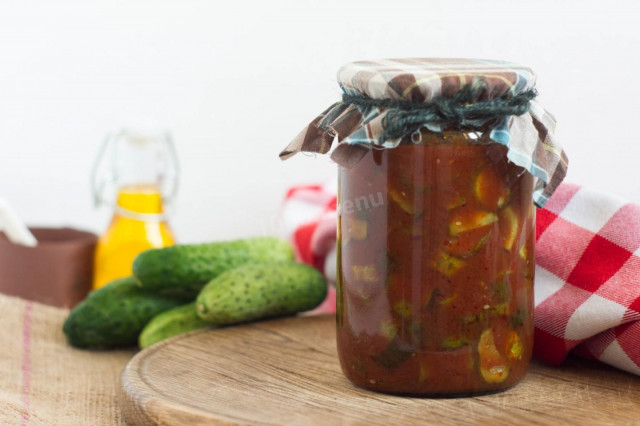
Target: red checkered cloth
x: 587, y: 288
x: 308, y: 219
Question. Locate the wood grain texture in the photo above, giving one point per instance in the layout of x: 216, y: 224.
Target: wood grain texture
x: 287, y: 372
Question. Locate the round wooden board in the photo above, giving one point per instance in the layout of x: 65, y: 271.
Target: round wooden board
x: 287, y: 372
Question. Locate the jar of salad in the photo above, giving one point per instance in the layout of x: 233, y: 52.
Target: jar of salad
x: 440, y: 163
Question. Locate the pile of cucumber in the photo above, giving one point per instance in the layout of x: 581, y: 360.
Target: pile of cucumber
x: 182, y: 288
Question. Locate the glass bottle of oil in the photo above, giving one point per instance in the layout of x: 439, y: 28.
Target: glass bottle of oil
x: 136, y: 173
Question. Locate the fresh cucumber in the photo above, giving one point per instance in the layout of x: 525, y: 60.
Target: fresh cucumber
x: 114, y: 315
x: 257, y: 291
x: 183, y: 270
x: 171, y: 323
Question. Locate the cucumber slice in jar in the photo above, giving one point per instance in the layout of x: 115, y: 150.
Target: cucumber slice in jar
x: 468, y: 243
x: 404, y: 199
x: 464, y: 221
x: 508, y: 227
x: 365, y: 273
x: 447, y: 265
x: 454, y: 200
x: 356, y: 229
x: 514, y: 346
x: 445, y: 302
x: 493, y: 367
x: 523, y: 253
x: 402, y: 308
x: 490, y: 189
x: 454, y: 342
x: 388, y: 329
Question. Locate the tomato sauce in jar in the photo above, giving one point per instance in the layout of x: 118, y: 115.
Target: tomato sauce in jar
x: 435, y: 267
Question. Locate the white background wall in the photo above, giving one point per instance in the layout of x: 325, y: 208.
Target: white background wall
x: 236, y: 80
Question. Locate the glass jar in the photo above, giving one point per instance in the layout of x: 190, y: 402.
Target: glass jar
x: 435, y: 266
x: 436, y: 227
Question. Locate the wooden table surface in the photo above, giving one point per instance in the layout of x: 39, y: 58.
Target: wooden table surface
x: 287, y: 372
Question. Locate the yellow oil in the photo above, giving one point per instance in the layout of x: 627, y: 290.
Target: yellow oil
x: 126, y: 237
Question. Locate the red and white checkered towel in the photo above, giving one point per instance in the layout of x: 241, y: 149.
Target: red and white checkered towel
x: 587, y: 288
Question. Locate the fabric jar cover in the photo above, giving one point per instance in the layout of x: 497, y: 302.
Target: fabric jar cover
x: 587, y: 280
x: 529, y: 137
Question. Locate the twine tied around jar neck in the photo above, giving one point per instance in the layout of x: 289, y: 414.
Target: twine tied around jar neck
x: 460, y: 110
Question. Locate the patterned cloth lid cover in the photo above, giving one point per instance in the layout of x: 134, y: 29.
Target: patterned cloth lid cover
x: 529, y: 137
x: 420, y: 80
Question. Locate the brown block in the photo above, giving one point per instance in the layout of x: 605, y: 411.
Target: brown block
x: 57, y: 272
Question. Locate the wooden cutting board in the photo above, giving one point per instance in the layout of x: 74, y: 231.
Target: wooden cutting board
x: 287, y: 372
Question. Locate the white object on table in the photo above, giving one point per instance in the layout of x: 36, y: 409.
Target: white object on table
x: 14, y: 228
